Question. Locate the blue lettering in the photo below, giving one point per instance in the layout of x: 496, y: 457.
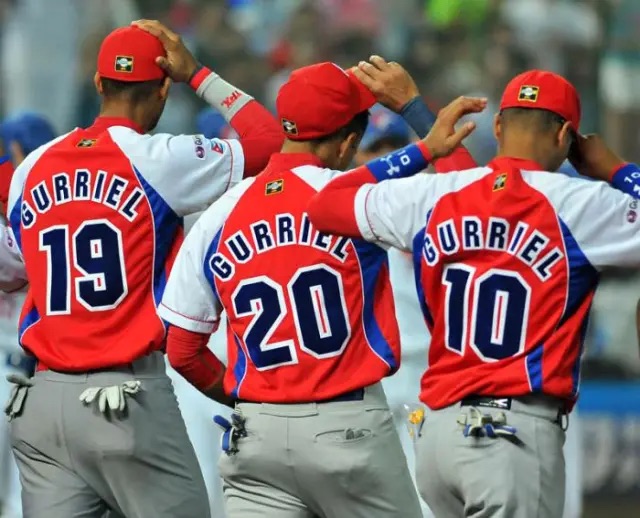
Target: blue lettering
x: 285, y: 233
x: 322, y: 241
x: 41, y: 197
x: 114, y: 192
x: 305, y: 231
x: 448, y: 237
x: 521, y: 228
x: 531, y: 249
x: 27, y: 215
x: 81, y: 187
x: 430, y: 251
x: 497, y: 235
x: 98, y: 190
x: 239, y: 247
x: 221, y: 267
x: 543, y: 266
x: 262, y: 236
x: 61, y: 189
x: 339, y: 250
x: 129, y: 206
x: 472, y: 233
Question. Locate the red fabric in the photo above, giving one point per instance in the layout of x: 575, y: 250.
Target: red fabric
x: 6, y: 173
x: 459, y: 160
x: 189, y: 355
x: 340, y: 194
x: 199, y: 78
x: 129, y: 54
x: 320, y: 99
x: 545, y: 91
x: 259, y: 135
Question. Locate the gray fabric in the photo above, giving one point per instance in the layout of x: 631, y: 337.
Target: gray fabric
x: 76, y: 462
x: 481, y: 477
x: 335, y: 460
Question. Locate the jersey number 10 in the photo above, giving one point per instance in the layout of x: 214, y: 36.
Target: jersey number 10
x: 96, y: 266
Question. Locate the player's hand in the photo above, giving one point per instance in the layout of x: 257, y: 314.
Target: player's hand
x: 390, y: 83
x: 179, y: 63
x: 444, y: 137
x: 591, y: 157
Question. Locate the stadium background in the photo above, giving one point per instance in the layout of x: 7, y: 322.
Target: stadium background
x: 452, y: 47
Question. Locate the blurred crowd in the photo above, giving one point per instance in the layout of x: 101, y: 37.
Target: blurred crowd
x: 452, y: 47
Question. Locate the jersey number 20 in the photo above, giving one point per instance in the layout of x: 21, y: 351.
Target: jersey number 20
x: 319, y: 312
x: 95, y: 273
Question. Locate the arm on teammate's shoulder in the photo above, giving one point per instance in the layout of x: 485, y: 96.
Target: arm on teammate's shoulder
x: 13, y: 275
x: 189, y: 354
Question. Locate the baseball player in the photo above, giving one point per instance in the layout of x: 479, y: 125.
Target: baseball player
x: 507, y: 259
x: 307, y: 346
x: 96, y: 215
x: 19, y: 135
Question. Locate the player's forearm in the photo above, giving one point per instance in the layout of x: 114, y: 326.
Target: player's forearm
x: 332, y: 209
x: 421, y: 119
x: 626, y: 178
x: 189, y: 355
x: 258, y: 130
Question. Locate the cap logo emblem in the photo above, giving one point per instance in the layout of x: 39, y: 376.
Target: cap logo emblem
x: 124, y: 64
x: 289, y: 127
x: 528, y: 93
x: 274, y: 187
x: 500, y: 182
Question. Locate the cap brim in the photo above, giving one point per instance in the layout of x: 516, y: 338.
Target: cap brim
x: 366, y: 98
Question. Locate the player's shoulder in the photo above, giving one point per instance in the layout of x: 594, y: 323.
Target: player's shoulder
x: 214, y: 217
x: 315, y: 176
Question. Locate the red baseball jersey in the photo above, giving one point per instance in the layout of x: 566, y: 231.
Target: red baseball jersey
x: 506, y: 260
x: 97, y: 216
x: 309, y: 316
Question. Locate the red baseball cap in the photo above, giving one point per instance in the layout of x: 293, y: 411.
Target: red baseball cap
x: 319, y: 99
x: 129, y: 54
x: 545, y: 91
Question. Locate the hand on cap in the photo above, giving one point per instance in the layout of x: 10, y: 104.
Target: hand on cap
x: 443, y: 137
x: 390, y: 83
x: 591, y: 157
x: 179, y: 63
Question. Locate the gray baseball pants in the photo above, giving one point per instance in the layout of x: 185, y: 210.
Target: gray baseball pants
x: 482, y: 477
x: 75, y: 462
x: 319, y: 460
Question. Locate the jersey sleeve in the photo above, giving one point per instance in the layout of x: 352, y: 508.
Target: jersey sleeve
x: 394, y: 211
x: 189, y: 172
x: 190, y: 300
x: 603, y: 222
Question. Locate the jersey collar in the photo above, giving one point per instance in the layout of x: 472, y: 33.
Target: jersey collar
x: 290, y: 160
x: 504, y: 162
x: 103, y: 123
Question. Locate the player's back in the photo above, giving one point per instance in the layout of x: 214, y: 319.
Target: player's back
x: 95, y: 237
x: 507, y: 287
x: 310, y: 316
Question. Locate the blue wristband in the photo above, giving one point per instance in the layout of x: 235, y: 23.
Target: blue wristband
x: 418, y: 116
x: 405, y: 162
x: 627, y: 180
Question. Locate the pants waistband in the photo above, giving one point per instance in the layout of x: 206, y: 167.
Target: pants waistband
x: 539, y: 405
x: 370, y: 397
x: 149, y: 366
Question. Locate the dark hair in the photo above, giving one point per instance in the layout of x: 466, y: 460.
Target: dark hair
x: 356, y: 125
x: 542, y: 120
x: 134, y: 92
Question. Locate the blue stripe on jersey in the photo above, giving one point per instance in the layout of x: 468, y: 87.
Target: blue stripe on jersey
x: 583, y: 277
x: 165, y: 224
x: 211, y: 251
x: 14, y: 221
x: 418, y: 241
x: 372, y: 258
x: 32, y: 317
x: 577, y: 366
x: 534, y: 367
x: 240, y: 368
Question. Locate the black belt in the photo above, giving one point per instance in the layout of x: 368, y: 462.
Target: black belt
x: 354, y: 395
x: 502, y: 403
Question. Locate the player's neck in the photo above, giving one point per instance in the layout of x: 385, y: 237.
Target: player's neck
x: 524, y: 149
x: 123, y: 111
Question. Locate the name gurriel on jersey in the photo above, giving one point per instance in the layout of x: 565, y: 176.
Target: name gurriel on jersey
x: 263, y: 236
x: 495, y: 234
x: 99, y: 187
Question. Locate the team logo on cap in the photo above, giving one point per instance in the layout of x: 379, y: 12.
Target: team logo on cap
x: 289, y: 127
x: 87, y: 142
x: 528, y: 93
x: 500, y: 182
x: 275, y: 187
x: 124, y: 64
